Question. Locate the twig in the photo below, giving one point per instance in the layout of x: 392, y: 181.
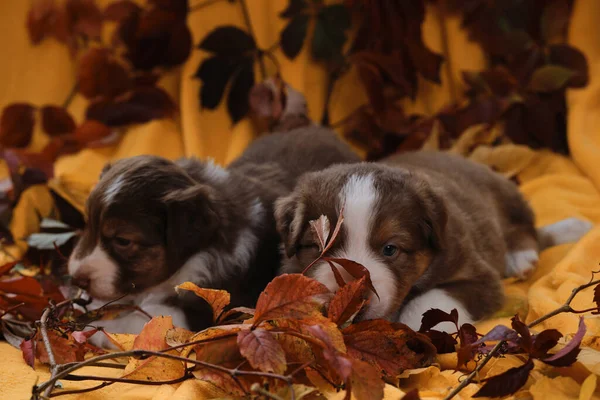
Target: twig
x: 261, y: 62
x: 46, y: 339
x: 78, y: 378
x: 70, y: 96
x: 256, y: 388
x: 11, y: 309
x: 77, y: 391
x: 566, y: 307
x: 49, y: 385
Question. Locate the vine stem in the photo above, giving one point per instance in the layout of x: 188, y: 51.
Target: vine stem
x: 566, y: 307
x: 261, y: 62
x: 70, y: 96
x: 46, y: 339
x: 48, y: 386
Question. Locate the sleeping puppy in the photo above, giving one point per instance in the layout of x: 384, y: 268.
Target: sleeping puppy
x: 434, y: 230
x: 153, y: 224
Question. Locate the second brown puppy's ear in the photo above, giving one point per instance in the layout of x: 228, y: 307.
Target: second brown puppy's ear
x: 289, y: 216
x: 105, y: 169
x: 192, y: 220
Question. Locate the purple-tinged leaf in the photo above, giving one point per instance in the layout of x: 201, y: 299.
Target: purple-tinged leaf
x: 28, y: 349
x: 436, y: 316
x: 568, y: 355
x: 499, y: 332
x: 544, y: 342
x: 506, y: 383
x: 523, y: 331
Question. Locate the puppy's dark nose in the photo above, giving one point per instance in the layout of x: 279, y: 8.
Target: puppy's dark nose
x: 81, y: 281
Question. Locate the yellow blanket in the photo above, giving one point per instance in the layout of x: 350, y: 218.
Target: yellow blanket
x: 557, y: 187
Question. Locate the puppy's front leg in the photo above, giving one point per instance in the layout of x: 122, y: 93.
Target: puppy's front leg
x: 473, y: 299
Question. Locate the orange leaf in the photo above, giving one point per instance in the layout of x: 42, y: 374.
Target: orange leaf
x: 366, y: 382
x: 347, y: 301
x: 290, y: 296
x: 355, y: 269
x: 123, y: 341
x: 153, y: 334
x: 212, y: 334
x: 178, y: 336
x: 392, y: 347
x: 219, y: 378
x: 236, y: 310
x: 23, y: 285
x: 217, y: 299
x: 261, y: 349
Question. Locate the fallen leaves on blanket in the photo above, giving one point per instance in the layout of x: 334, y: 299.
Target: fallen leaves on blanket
x: 217, y: 299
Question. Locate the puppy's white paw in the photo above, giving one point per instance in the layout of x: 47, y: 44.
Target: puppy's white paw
x: 521, y: 263
x: 412, y: 313
x: 569, y: 230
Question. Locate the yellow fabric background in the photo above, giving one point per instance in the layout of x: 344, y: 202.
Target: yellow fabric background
x: 557, y: 187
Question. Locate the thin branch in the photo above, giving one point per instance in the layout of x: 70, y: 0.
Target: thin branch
x: 78, y: 378
x: 48, y: 386
x: 248, y: 21
x: 77, y: 391
x: 70, y: 96
x: 46, y: 339
x: 566, y: 307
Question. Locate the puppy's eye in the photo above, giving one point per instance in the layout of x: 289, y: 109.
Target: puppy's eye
x: 389, y: 250
x: 121, y: 241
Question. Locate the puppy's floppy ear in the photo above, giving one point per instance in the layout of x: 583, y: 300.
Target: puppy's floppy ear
x: 289, y: 216
x: 192, y: 219
x: 435, y: 220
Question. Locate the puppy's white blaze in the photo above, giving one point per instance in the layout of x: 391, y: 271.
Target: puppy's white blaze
x: 100, y: 269
x: 360, y: 198
x: 412, y: 313
x: 113, y: 189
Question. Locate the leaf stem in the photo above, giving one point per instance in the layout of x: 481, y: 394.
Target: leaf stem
x: 248, y: 21
x: 70, y: 96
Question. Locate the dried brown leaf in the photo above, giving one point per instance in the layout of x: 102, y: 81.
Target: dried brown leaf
x: 290, y: 296
x: 320, y: 229
x: 355, y: 269
x: 348, y: 301
x: 16, y: 125
x: 101, y: 74
x: 57, y: 120
x: 217, y: 299
x: 262, y: 350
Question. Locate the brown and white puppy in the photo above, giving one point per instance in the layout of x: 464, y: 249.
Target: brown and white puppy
x: 153, y: 224
x: 434, y: 230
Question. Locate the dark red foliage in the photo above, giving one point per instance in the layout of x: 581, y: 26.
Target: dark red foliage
x: 506, y: 383
x: 16, y: 125
x: 57, y: 120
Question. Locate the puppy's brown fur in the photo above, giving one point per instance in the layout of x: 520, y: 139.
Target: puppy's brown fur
x: 454, y: 223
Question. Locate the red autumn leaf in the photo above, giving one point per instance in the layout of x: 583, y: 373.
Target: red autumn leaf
x: 544, y: 342
x: 435, y: 316
x: 506, y: 383
x: 442, y: 341
x: 347, y: 301
x: 16, y: 125
x: 23, y: 285
x: 221, y: 379
x: 7, y: 267
x: 524, y: 333
x: 28, y: 350
x: 40, y: 20
x: 336, y: 274
x: 82, y: 336
x: 91, y: 132
x: 356, y: 270
x: 261, y: 349
x: 64, y: 348
x: 153, y: 334
x: 391, y: 347
x: 568, y: 355
x: 467, y: 351
x: 141, y: 105
x: 217, y: 299
x: 290, y: 296
x: 100, y: 74
x: 84, y: 18
x: 119, y: 10
x: 57, y: 120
